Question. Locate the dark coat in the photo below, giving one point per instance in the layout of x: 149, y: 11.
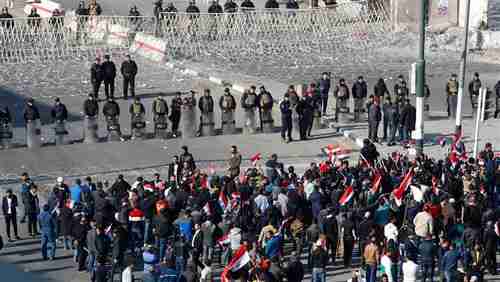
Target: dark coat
x: 31, y: 113
x: 66, y: 218
x: 5, y: 205
x: 59, y: 112
x: 408, y: 117
x: 374, y: 113
x: 96, y: 73
x: 109, y: 70
x: 206, y: 104
x: 91, y: 107
x: 359, y: 90
x: 129, y: 69
x: 111, y: 109
x: 32, y: 204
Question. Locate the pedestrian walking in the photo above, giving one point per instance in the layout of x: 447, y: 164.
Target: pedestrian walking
x: 48, y: 228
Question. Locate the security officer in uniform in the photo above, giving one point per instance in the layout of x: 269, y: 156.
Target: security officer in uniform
x: 160, y: 110
x: 266, y: 102
x: 230, y: 7
x: 96, y: 76
x: 90, y: 106
x: 31, y: 112
x: 111, y: 109
x: 59, y: 113
x: 137, y: 112
x: 227, y: 105
x: 305, y: 110
x: 192, y: 8
x: 215, y: 8
x: 247, y: 5
x: 206, y: 106
x: 401, y: 89
x: 286, y: 119
x: 474, y: 87
x: 452, y: 92
x: 129, y: 71
x: 175, y: 114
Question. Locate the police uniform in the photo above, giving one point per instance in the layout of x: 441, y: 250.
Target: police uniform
x: 286, y: 120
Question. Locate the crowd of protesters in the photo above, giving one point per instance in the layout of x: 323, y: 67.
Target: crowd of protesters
x: 263, y: 223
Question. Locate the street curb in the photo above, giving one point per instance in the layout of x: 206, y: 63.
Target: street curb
x: 350, y: 135
x: 216, y: 80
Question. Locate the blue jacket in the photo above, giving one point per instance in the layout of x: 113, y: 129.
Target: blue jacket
x: 449, y: 262
x: 273, y: 246
x: 76, y: 193
x: 47, y: 224
x: 324, y: 86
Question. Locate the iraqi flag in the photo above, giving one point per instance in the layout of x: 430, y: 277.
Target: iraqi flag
x: 346, y: 196
x: 376, y: 181
x: 224, y: 240
x: 335, y: 152
x: 255, y: 159
x: 239, y: 260
x: 223, y: 201
x: 148, y: 186
x: 207, y: 209
x: 399, y: 192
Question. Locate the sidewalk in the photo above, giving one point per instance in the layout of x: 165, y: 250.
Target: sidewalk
x: 435, y: 129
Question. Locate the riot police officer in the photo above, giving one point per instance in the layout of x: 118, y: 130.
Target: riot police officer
x: 247, y: 5
x: 286, y: 119
x: 206, y: 106
x: 59, y: 113
x: 192, y: 8
x: 230, y: 7
x: 175, y: 114
x: 474, y: 87
x: 111, y: 109
x: 215, y: 8
x: 305, y: 110
x: 227, y: 105
x: 266, y: 103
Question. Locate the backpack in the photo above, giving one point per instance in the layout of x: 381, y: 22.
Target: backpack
x: 160, y: 107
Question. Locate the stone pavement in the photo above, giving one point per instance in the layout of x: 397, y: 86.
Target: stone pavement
x: 435, y: 129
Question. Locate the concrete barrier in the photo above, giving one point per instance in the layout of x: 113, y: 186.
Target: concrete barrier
x: 90, y: 130
x: 33, y: 134
x: 5, y: 135
x: 161, y: 125
x: 188, y: 117
x: 207, y: 124
x: 149, y: 46
x: 228, y: 123
x: 114, y: 131
x: 44, y: 8
x: 249, y: 122
x: 60, y: 131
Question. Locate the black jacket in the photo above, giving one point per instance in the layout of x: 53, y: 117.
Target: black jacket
x: 5, y: 115
x: 109, y: 70
x: 31, y: 113
x: 59, y: 112
x: 374, y: 113
x: 380, y: 89
x: 206, y: 104
x: 5, y: 205
x: 129, y: 69
x: 272, y: 4
x: 96, y: 73
x: 408, y: 117
x: 232, y: 105
x: 319, y: 258
x: 295, y: 271
x: 286, y: 109
x: 111, y: 109
x: 305, y: 106
x: 359, y: 90
x: 215, y: 8
x: 32, y: 204
x: 247, y: 4
x: 292, y: 5
x: 230, y: 7
x: 91, y: 107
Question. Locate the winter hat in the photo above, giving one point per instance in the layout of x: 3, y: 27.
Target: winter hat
x: 136, y: 215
